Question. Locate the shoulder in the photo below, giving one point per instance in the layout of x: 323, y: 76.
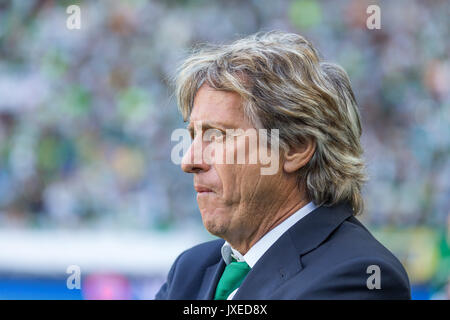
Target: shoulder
x: 351, y: 258
x: 206, y: 254
x: 192, y: 262
x: 353, y: 240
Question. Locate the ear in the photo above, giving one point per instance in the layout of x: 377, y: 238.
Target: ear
x: 299, y: 156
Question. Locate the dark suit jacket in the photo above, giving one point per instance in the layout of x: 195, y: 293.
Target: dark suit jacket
x: 323, y: 256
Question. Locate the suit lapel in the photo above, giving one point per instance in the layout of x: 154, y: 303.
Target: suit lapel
x: 278, y: 264
x: 283, y: 259
x: 210, y: 280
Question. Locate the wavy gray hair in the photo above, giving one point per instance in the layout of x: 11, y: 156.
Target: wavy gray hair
x: 285, y: 85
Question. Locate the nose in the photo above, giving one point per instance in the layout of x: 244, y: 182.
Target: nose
x: 193, y: 161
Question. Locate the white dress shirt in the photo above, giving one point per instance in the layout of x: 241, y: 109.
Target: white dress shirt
x: 263, y: 244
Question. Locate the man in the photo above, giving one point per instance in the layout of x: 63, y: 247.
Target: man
x: 291, y: 234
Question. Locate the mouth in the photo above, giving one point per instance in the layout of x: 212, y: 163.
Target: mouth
x: 202, y: 189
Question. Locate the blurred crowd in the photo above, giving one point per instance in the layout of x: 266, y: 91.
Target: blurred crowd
x: 86, y: 115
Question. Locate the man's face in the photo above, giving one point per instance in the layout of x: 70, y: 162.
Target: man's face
x: 232, y: 198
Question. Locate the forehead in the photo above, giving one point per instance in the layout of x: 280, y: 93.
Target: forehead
x: 221, y: 107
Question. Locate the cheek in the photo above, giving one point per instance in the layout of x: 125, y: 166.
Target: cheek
x: 229, y: 176
x: 234, y: 174
x: 252, y: 182
x: 259, y: 191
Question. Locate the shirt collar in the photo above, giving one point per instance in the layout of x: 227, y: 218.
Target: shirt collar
x: 263, y: 244
x: 228, y: 253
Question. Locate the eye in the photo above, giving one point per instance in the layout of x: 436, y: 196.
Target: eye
x: 220, y: 137
x: 214, y: 135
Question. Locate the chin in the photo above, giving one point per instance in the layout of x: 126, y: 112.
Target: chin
x: 214, y: 225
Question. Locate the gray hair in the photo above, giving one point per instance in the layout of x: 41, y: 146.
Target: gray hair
x: 285, y: 85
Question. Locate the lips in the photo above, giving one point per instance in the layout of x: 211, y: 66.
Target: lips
x: 202, y: 189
